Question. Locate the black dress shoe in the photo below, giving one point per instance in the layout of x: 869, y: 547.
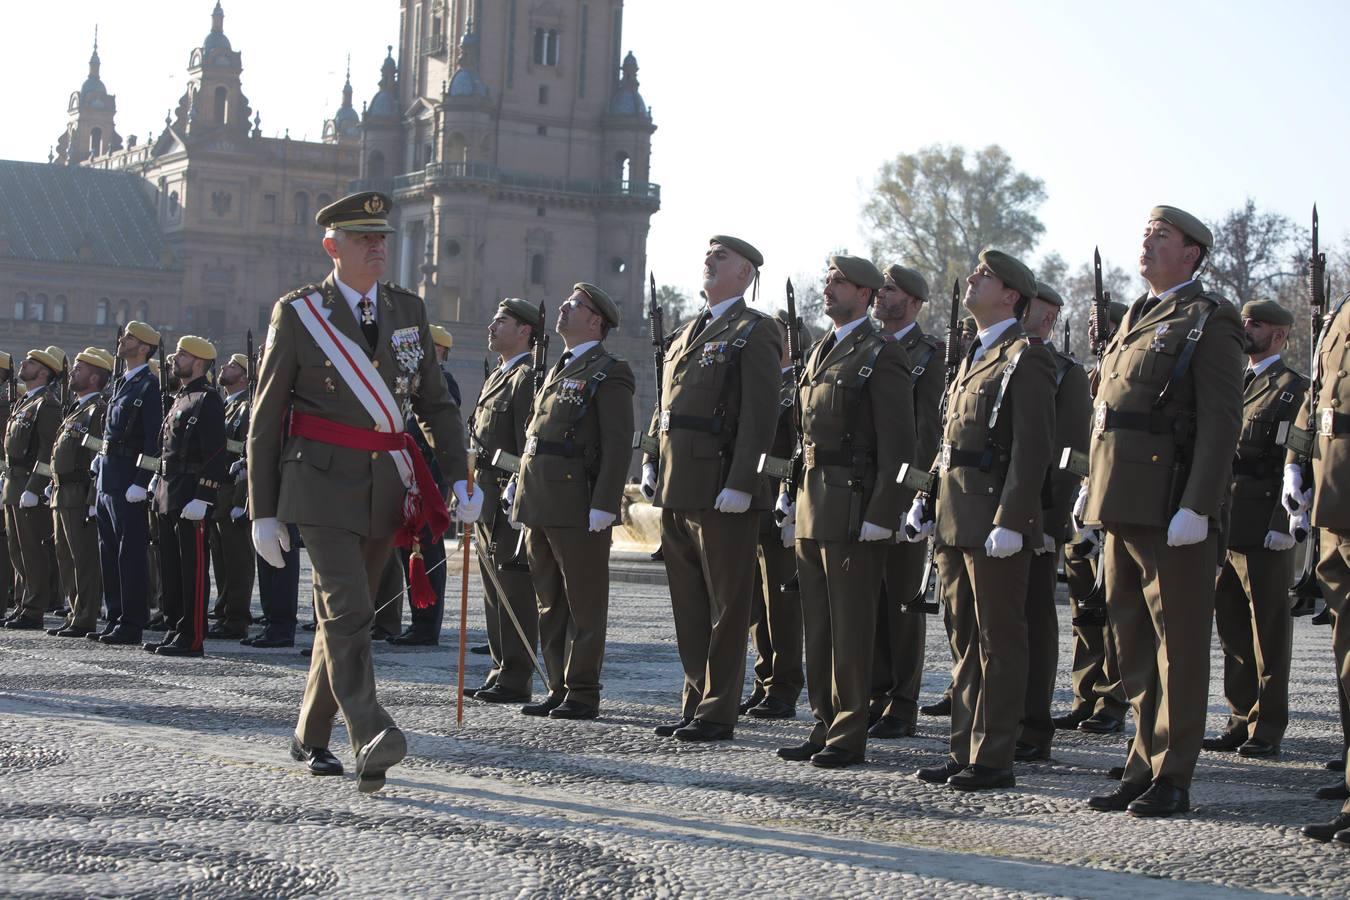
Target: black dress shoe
x: 1325, y: 831
x: 1226, y: 742
x: 669, y: 730
x: 699, y: 730
x: 1335, y: 765
x: 151, y: 646
x: 310, y: 626
x: 384, y: 751
x: 481, y: 650
x: 52, y: 632
x: 1255, y: 748
x: 499, y: 694
x: 23, y: 623
x: 380, y: 634
x: 1115, y: 773
x: 307, y: 652
x: 982, y: 778
x: 756, y: 696
x: 799, y: 753
x: 265, y: 641
x: 1161, y: 799
x: 73, y: 631
x: 158, y: 623
x: 1070, y: 721
x: 548, y: 705
x: 1025, y: 752
x: 941, y: 708
x: 221, y: 633
x: 836, y: 758
x: 473, y: 692
x: 1116, y: 801
x: 570, y: 709
x: 773, y: 708
x: 888, y: 727
x: 179, y: 650
x: 98, y: 635
x: 1101, y: 723
x: 318, y: 760
x: 939, y: 774
x: 414, y: 638
x: 1342, y: 837
x: 1334, y: 792
x: 121, y: 636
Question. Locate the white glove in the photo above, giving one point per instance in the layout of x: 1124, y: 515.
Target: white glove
x: 153, y: 489
x: 1278, y: 540
x: 271, y: 540
x: 1292, y: 496
x: 47, y: 491
x: 1300, y: 526
x: 732, y: 501
x: 1002, y: 542
x: 870, y: 532
x: 1079, y: 506
x: 236, y: 513
x: 136, y: 494
x: 509, y: 496
x: 28, y: 500
x: 194, y: 511
x: 1047, y: 545
x: 784, y: 510
x: 916, y: 529
x: 789, y: 533
x: 600, y: 520
x: 648, y: 486
x: 1187, y: 528
x: 93, y: 512
x: 469, y: 506
x: 238, y: 466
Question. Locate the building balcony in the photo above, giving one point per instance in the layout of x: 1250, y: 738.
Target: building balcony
x: 489, y: 177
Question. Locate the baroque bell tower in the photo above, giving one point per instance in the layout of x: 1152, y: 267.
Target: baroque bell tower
x: 89, y: 132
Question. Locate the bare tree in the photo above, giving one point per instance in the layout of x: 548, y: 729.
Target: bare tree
x: 1254, y: 253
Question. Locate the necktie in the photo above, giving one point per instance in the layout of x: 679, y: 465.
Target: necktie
x: 368, y: 326
x: 703, y: 321
x: 1148, y: 307
x: 1248, y: 378
x: 974, y: 349
x: 564, y: 360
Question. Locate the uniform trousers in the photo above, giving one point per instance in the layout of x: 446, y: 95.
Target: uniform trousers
x: 898, y: 653
x: 506, y: 583
x: 6, y: 568
x: 77, y: 553
x: 776, y: 618
x: 279, y: 590
x: 232, y: 547
x: 1095, y: 669
x: 1333, y: 571
x: 123, y: 542
x: 570, y: 570
x: 1042, y: 649
x: 30, y: 538
x: 184, y: 578
x: 1251, y: 614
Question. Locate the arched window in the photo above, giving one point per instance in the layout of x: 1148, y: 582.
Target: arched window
x: 96, y: 142
x: 546, y: 47
x: 301, y: 208
x: 101, y: 311
x: 59, y: 308
x: 37, y: 310
x: 123, y: 312
x: 222, y: 104
x: 20, y: 306
x: 623, y: 167
x: 537, y: 269
x: 173, y: 204
x: 375, y: 165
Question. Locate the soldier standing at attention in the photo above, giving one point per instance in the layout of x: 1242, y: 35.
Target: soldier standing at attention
x: 721, y: 390
x: 1165, y: 425
x: 192, y: 467
x: 73, y: 493
x: 349, y: 359
x: 1251, y: 598
x: 857, y: 410
x: 898, y: 655
x: 29, y: 436
x: 231, y: 541
x: 7, y: 396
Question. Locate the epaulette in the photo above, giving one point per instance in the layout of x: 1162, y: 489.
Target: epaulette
x: 755, y: 312
x: 301, y: 292
x: 400, y: 289
x: 931, y: 340
x: 1216, y: 299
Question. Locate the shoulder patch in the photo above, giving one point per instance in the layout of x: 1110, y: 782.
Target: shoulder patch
x: 400, y: 289
x: 300, y: 292
x: 755, y: 312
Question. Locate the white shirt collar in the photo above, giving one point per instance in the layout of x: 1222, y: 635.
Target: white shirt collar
x: 239, y: 393
x: 991, y: 334
x: 84, y: 397
x: 581, y: 348
x: 1263, y: 364
x: 1174, y: 288
x: 352, y: 297
x: 842, y: 331
x: 130, y: 373
x: 904, y: 331
x: 508, y: 363
x: 719, y: 309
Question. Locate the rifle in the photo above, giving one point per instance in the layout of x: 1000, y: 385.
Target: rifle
x: 1067, y: 349
x: 540, y: 360
x: 1300, y: 441
x: 1101, y: 309
x: 656, y: 317
x: 788, y: 471
x: 152, y: 463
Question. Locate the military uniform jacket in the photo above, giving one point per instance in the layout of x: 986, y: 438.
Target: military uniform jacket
x: 29, y: 436
x: 501, y: 414
x: 996, y: 478
x: 192, y: 462
x: 720, y: 390
x: 785, y: 432
x: 131, y: 429
x: 1073, y: 426
x: 857, y: 430
x: 579, y: 443
x: 308, y: 482
x: 72, y: 482
x: 1132, y: 479
x: 1331, y: 440
x: 1272, y: 398
x: 926, y: 356
x: 233, y: 493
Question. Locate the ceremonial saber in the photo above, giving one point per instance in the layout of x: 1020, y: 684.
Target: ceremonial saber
x: 463, y: 602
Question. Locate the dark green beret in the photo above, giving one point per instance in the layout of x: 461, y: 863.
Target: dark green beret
x: 367, y: 211
x: 1190, y: 226
x: 736, y: 245
x: 908, y: 280
x: 1267, y: 311
x: 1012, y: 271
x: 858, y: 270
x: 968, y: 324
x: 607, y: 307
x: 1117, y: 312
x: 521, y: 310
x: 1048, y: 294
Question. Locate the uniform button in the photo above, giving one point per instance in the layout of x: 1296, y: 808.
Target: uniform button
x: 808, y: 409
x: 374, y: 456
x: 990, y: 489
x: 1335, y: 401
x: 328, y: 363
x: 1155, y: 457
x: 569, y: 476
x: 1341, y: 373
x: 298, y: 453
x: 1115, y: 374
x: 377, y: 363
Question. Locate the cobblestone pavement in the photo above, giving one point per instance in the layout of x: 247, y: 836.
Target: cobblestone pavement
x: 126, y: 774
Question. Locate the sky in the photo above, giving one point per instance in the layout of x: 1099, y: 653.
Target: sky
x: 774, y: 116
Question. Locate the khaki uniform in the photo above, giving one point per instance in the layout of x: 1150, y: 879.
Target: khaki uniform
x: 73, y: 495
x: 1095, y: 669
x: 1073, y: 420
x: 29, y: 436
x: 6, y: 566
x: 347, y: 502
x: 989, y: 479
x: 1140, y: 451
x: 576, y: 459
x: 721, y: 397
x: 498, y: 423
x: 898, y: 652
x: 231, y: 539
x: 856, y: 433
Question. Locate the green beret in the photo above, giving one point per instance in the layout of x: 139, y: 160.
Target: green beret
x: 908, y: 280
x: 736, y: 245
x: 1267, y: 311
x: 1048, y: 294
x: 858, y: 270
x: 1190, y: 226
x: 606, y: 307
x: 367, y: 211
x: 1013, y: 272
x: 521, y: 310
x: 1117, y: 312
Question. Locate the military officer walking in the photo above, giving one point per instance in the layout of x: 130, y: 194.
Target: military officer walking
x: 349, y: 359
x: 857, y: 411
x: 1165, y: 425
x: 231, y: 541
x: 720, y: 397
x: 567, y: 496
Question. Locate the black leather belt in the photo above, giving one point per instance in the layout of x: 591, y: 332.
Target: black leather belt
x: 814, y: 456
x: 1331, y: 423
x: 1152, y: 422
x: 59, y: 481
x: 114, y: 449
x: 1257, y: 468
x: 706, y: 424
x: 565, y: 449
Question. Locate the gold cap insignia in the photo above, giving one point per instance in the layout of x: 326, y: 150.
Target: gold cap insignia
x: 374, y: 206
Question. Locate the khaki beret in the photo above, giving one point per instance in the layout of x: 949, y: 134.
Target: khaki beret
x: 858, y: 270
x: 1012, y: 271
x: 1048, y: 294
x: 367, y: 211
x: 522, y: 310
x: 1117, y: 312
x: 197, y: 346
x: 606, y: 307
x: 6, y: 361
x: 143, y: 332
x: 240, y: 360
x: 441, y: 337
x: 55, y: 361
x: 736, y: 245
x: 1190, y: 226
x: 908, y: 280
x: 95, y: 356
x: 1267, y: 311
